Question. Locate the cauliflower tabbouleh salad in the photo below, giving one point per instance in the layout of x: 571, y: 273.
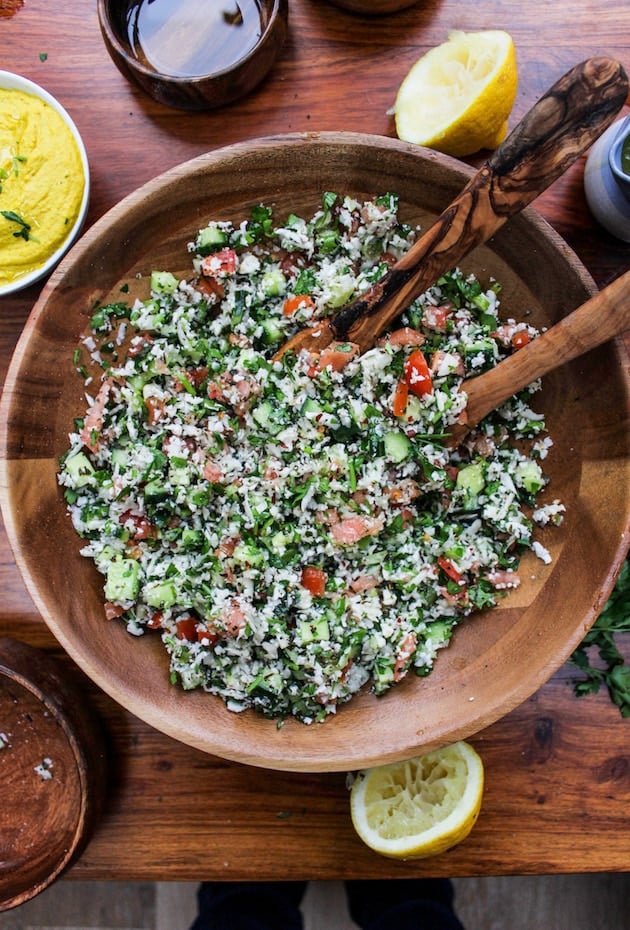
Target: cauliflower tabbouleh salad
x: 295, y: 529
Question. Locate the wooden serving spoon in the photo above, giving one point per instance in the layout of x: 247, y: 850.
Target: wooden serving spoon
x: 555, y: 132
x: 604, y: 316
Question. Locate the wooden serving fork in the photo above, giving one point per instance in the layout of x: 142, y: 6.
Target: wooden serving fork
x: 555, y: 132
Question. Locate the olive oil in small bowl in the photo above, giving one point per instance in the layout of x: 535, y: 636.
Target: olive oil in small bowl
x: 193, y: 54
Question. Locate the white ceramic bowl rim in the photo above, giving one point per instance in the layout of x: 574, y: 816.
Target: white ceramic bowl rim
x: 11, y: 81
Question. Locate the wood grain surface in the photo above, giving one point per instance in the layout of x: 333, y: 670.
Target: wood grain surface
x: 558, y: 769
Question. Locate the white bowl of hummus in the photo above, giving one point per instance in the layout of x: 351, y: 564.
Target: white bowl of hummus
x: 44, y: 182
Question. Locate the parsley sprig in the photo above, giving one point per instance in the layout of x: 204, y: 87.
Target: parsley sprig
x: 24, y: 231
x: 614, y: 673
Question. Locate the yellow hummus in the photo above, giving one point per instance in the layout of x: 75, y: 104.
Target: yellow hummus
x: 41, y: 183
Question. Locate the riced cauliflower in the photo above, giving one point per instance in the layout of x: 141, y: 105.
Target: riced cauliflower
x: 298, y: 529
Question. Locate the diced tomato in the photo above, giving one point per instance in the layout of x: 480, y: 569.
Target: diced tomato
x: 437, y: 317
x: 138, y: 344
x: 222, y: 262
x: 351, y: 529
x: 520, y: 339
x: 142, y: 526
x: 417, y: 374
x: 207, y: 637
x: 314, y: 580
x: 155, y: 409
x: 155, y: 622
x: 112, y: 611
x: 336, y: 356
x: 187, y: 629
x: 449, y: 569
x: 211, y: 287
x: 401, y: 396
x: 292, y: 304
x: 405, y: 653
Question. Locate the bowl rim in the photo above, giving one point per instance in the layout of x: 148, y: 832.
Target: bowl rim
x: 279, y: 8
x: 282, y: 754
x: 10, y: 80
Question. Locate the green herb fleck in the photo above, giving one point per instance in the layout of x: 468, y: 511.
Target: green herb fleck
x: 43, y: 56
x: 24, y: 231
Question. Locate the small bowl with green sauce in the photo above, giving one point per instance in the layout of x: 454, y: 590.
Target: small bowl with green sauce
x: 44, y: 182
x: 191, y: 54
x: 607, y: 179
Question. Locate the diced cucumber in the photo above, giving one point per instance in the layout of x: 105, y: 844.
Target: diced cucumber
x: 266, y: 416
x: 155, y: 491
x: 199, y: 497
x: 246, y: 554
x: 103, y: 558
x: 471, y: 478
x: 192, y: 539
x: 279, y: 542
x: 79, y: 468
x: 163, y: 282
x: 413, y: 410
x: 397, y: 446
x: 119, y: 457
x: 263, y: 413
x: 310, y: 408
x: 314, y: 630
x: 341, y: 290
x: 179, y: 476
x: 529, y: 475
x: 272, y: 332
x: 487, y: 346
x: 211, y: 239
x: 439, y: 631
x: 160, y: 594
x: 123, y: 580
x: 273, y: 283
x: 270, y: 681
x: 383, y: 674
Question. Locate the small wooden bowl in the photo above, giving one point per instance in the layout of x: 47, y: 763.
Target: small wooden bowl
x: 374, y: 7
x: 222, y: 80
x: 497, y: 658
x: 52, y: 772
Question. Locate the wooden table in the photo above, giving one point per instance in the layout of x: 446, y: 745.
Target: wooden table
x: 558, y: 770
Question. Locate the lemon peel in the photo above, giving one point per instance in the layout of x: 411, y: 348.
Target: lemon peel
x: 419, y: 807
x: 458, y: 96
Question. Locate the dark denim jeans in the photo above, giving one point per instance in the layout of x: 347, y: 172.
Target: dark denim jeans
x: 422, y: 904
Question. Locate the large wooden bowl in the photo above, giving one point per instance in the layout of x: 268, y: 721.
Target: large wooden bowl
x: 496, y: 659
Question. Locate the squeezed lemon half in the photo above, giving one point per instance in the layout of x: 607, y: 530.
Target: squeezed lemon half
x: 457, y: 98
x: 420, y: 807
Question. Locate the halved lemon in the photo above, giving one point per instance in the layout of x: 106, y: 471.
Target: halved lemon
x: 457, y: 98
x: 420, y: 807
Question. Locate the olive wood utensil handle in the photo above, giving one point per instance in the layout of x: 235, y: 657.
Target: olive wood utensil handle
x: 555, y: 132
x: 604, y: 316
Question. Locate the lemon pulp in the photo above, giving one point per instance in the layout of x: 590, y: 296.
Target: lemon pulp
x: 457, y: 98
x: 422, y: 806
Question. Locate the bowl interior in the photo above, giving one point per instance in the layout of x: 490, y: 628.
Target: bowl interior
x: 51, y: 769
x: 496, y: 659
x: 11, y: 81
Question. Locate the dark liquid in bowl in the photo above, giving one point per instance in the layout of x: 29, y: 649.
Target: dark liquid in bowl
x: 191, y: 38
